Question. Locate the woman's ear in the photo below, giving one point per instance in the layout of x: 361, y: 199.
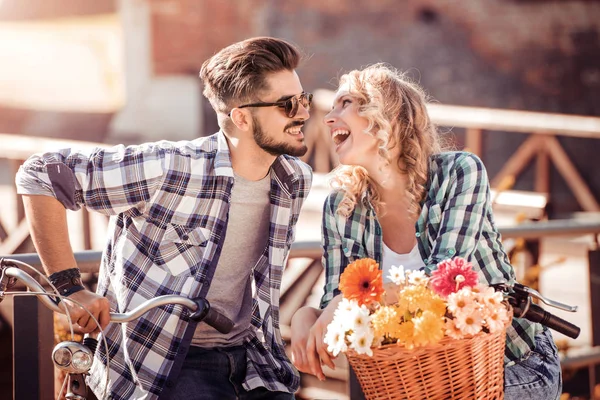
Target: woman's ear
x: 241, y: 119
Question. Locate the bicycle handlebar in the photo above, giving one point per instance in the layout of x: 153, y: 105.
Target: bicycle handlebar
x: 200, y: 308
x: 519, y: 297
x: 536, y: 313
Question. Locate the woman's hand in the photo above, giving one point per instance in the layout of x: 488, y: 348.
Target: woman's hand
x: 309, y: 351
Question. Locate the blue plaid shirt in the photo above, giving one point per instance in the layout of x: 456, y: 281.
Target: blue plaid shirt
x: 456, y: 220
x: 168, y: 204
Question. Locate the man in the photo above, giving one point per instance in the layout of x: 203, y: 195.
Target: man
x: 210, y: 217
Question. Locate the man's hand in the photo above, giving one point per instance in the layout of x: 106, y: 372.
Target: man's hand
x: 97, y: 305
x: 302, y: 321
x: 309, y: 351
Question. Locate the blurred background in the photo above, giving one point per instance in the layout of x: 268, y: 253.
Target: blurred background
x: 515, y: 81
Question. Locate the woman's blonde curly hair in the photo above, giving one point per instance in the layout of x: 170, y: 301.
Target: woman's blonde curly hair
x: 396, y: 110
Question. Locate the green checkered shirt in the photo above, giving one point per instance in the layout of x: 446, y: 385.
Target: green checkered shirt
x: 456, y: 220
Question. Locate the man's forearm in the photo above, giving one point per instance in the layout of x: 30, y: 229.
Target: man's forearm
x: 47, y: 219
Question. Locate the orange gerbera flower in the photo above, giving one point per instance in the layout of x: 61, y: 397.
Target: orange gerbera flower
x: 362, y: 281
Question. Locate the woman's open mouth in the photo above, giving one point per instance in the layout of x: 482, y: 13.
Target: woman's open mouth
x: 339, y: 136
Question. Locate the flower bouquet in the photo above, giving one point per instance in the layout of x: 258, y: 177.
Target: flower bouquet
x: 420, y: 337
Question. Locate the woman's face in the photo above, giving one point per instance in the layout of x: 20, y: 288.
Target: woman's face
x: 352, y: 144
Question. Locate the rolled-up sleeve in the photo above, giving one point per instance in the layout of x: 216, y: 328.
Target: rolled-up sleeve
x: 109, y: 181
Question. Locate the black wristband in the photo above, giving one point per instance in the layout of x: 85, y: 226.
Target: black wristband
x: 67, y: 282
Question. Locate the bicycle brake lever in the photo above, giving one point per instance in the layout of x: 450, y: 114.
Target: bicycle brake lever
x: 5, y: 281
x: 537, y: 295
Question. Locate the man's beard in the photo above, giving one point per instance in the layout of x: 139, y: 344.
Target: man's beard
x: 271, y: 146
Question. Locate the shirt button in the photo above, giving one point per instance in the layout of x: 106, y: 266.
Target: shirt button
x: 345, y: 249
x: 451, y: 252
x: 418, y: 234
x: 378, y: 231
x: 185, y: 237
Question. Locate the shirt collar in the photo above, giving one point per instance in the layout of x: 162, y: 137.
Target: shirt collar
x: 281, y: 169
x: 223, y: 157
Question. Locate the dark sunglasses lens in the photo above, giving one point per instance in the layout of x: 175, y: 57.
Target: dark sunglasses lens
x: 306, y: 100
x: 291, y: 107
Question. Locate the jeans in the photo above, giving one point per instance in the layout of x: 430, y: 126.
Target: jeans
x: 537, y: 375
x: 218, y: 374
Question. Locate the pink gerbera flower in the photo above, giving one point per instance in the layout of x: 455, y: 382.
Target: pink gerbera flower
x: 452, y: 275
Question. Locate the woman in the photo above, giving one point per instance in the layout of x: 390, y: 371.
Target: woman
x: 399, y: 200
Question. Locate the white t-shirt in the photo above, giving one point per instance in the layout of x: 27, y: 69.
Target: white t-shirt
x: 411, y: 261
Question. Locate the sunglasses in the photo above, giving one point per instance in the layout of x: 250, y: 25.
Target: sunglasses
x: 289, y: 106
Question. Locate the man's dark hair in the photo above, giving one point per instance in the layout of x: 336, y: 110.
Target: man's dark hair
x: 237, y: 73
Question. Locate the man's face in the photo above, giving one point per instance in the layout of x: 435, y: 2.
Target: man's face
x: 273, y: 131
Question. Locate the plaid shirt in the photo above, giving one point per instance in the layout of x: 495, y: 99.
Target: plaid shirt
x: 456, y: 220
x: 169, y: 204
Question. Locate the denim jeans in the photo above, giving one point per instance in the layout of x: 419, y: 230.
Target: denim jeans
x: 218, y: 374
x: 537, y: 375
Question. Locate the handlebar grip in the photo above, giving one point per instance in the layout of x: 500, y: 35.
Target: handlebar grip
x: 538, y: 314
x: 205, y: 313
x: 218, y: 321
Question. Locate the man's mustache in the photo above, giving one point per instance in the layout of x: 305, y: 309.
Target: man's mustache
x: 293, y: 124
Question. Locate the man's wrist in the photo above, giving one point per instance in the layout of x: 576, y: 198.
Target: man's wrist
x: 67, y: 282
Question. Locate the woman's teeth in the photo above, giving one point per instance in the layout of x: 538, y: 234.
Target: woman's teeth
x: 340, y: 136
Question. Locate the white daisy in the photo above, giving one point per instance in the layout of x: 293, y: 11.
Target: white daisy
x: 335, y: 339
x: 461, y: 302
x: 360, y: 319
x: 344, y: 313
x: 397, y: 274
x: 361, y: 342
x: 495, y: 321
x: 469, y: 323
x: 417, y: 278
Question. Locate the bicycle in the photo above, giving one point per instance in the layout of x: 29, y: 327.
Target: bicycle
x: 75, y: 358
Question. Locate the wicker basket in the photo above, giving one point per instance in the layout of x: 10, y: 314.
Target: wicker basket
x: 471, y: 368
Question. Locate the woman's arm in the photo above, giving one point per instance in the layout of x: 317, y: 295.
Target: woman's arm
x: 463, y: 212
x: 333, y: 258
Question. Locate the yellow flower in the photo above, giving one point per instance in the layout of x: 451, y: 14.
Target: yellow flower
x: 428, y: 328
x: 436, y: 305
x: 385, y: 321
x: 406, y: 334
x: 412, y: 298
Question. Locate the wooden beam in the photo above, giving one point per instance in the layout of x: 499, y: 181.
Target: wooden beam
x: 16, y: 238
x: 561, y: 160
x: 542, y: 170
x: 14, y: 167
x: 496, y: 119
x: 296, y: 297
x: 519, y: 160
x: 473, y: 142
x: 515, y: 121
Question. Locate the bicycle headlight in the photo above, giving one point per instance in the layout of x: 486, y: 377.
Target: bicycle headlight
x: 82, y: 361
x: 62, y: 356
x: 72, y: 357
